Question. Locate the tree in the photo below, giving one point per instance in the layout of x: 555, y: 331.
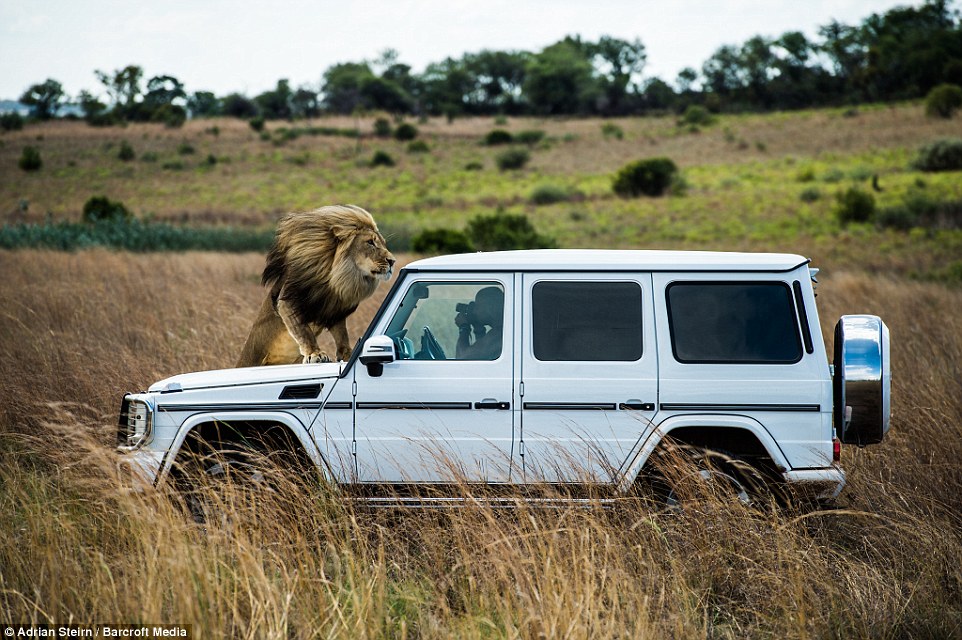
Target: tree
x: 44, y: 99
x: 163, y: 90
x: 446, y: 87
x: 618, y: 64
x: 123, y: 87
x: 239, y: 106
x: 560, y: 79
x: 277, y: 104
x: 497, y: 78
x: 204, y: 104
x: 342, y: 86
x: 305, y: 103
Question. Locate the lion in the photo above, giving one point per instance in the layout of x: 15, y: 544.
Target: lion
x: 322, y: 264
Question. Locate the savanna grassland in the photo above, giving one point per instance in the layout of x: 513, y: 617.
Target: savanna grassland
x: 79, y: 329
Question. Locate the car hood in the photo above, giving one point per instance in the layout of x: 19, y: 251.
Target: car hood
x: 247, y: 376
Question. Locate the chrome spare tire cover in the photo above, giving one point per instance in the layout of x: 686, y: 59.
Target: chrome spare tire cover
x: 863, y: 377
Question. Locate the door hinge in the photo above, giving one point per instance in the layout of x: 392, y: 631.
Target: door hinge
x: 354, y: 388
x: 521, y: 448
x: 521, y: 389
x: 354, y: 448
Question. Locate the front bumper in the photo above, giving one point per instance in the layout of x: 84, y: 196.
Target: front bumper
x: 138, y: 470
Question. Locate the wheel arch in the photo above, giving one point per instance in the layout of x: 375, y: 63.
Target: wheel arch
x: 743, y: 434
x: 244, y: 422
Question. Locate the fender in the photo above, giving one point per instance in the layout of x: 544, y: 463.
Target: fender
x: 638, y: 458
x: 279, y: 417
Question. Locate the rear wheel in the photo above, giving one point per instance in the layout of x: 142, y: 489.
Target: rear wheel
x: 682, y: 474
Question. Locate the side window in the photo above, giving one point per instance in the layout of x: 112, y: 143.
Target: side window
x: 733, y: 322
x: 449, y: 321
x: 586, y: 321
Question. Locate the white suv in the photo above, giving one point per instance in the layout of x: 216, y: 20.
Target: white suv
x: 555, y: 366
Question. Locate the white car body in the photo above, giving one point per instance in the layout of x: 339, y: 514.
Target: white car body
x: 527, y: 415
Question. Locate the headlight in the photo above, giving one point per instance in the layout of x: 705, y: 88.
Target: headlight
x: 136, y: 424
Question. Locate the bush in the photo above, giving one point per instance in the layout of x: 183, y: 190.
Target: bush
x: 438, y: 241
x: 530, y: 136
x: 382, y: 128
x: 611, y: 130
x: 502, y: 232
x: 512, y: 159
x: 549, y: 194
x: 498, y: 136
x: 257, y: 123
x: 405, y: 131
x: 943, y: 101
x: 855, y: 205
x: 126, y: 152
x: 11, y: 121
x: 30, y: 159
x: 103, y: 209
x: 696, y: 115
x: 186, y: 149
x: 173, y: 116
x: 381, y: 159
x: 418, y: 146
x: 651, y: 177
x: 941, y: 155
x: 810, y: 194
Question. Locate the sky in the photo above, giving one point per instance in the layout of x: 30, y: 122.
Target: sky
x: 237, y: 45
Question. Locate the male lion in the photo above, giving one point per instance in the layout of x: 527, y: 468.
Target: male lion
x: 322, y: 264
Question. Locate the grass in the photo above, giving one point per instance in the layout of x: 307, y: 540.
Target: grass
x: 736, y: 197
x: 78, y: 329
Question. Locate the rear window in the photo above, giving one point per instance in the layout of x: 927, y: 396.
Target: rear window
x: 586, y: 321
x: 733, y: 323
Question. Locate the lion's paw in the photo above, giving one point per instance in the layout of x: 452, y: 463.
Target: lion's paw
x: 317, y: 356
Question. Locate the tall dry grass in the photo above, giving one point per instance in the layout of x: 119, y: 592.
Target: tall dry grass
x: 78, y: 329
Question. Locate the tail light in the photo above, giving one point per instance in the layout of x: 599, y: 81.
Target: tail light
x: 836, y: 450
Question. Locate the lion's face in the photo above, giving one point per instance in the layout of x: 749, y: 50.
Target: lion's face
x: 370, y: 254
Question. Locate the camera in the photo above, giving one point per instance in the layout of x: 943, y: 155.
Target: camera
x: 467, y: 308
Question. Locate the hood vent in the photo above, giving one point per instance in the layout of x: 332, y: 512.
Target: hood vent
x: 301, y: 392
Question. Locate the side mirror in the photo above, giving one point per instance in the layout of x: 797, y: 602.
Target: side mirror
x: 377, y: 352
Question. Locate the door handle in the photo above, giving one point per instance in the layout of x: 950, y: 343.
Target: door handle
x: 634, y: 405
x: 490, y: 403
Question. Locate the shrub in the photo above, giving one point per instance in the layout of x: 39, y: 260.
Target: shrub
x: 943, y: 101
x: 473, y: 166
x: 498, y: 136
x: 381, y: 159
x: 30, y: 159
x: 185, y: 149
x: 530, y: 136
x: 173, y: 116
x: 899, y: 217
x: 405, y: 131
x: 805, y: 175
x: 150, y: 156
x: 382, y: 128
x: 855, y: 205
x: 549, y: 194
x: 418, y: 146
x: 810, y: 194
x: 941, y: 155
x: 126, y: 152
x: 11, y: 121
x: 103, y: 209
x: 696, y: 115
x: 257, y: 123
x: 611, y: 130
x: 437, y: 241
x: 651, y: 177
x: 512, y: 159
x: 502, y: 232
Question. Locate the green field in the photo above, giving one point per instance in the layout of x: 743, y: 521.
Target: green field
x: 78, y: 329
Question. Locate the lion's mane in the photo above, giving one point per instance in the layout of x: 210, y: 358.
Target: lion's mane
x: 313, y: 266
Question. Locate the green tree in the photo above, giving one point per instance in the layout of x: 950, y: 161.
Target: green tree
x: 44, y: 99
x: 618, y: 65
x: 277, y: 104
x: 239, y: 106
x: 342, y: 84
x: 123, y: 87
x: 204, y: 104
x: 560, y: 79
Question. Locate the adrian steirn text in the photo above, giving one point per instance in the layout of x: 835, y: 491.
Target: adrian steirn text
x: 97, y: 631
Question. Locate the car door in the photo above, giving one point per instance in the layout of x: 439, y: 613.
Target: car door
x: 588, y: 373
x: 443, y: 410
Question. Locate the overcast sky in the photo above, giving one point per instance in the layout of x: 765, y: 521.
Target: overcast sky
x: 236, y: 45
